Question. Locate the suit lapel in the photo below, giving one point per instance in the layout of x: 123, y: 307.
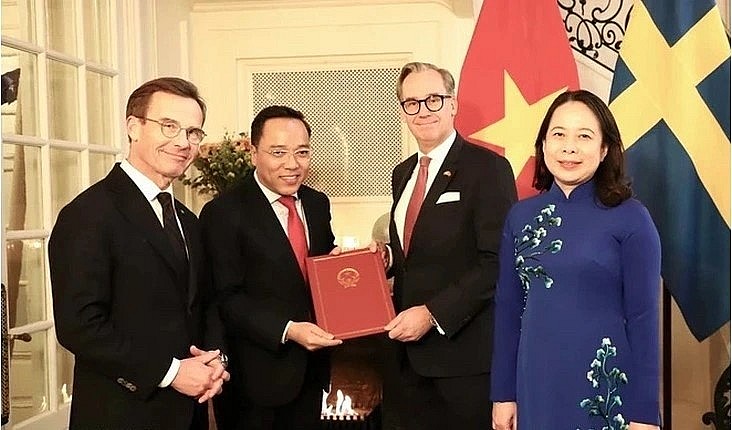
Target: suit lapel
x: 445, y: 174
x: 310, y: 216
x: 402, y: 173
x: 447, y: 171
x: 317, y: 219
x: 402, y: 177
x: 268, y: 224
x: 133, y: 206
x: 194, y: 256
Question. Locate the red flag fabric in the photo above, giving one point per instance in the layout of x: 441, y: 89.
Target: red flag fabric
x: 518, y: 61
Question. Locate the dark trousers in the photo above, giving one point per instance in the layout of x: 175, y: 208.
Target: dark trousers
x: 461, y: 402
x: 303, y: 413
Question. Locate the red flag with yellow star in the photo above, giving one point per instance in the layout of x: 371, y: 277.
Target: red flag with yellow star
x: 518, y: 61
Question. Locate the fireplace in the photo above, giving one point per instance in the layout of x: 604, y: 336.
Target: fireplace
x: 354, y: 401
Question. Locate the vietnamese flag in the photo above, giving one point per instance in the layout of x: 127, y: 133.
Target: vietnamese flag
x: 518, y: 61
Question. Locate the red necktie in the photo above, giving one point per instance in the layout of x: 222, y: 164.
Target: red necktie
x: 415, y: 202
x: 296, y: 233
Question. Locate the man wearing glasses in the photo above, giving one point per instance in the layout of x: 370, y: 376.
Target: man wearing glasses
x: 449, y: 203
x: 257, y: 236
x: 130, y: 289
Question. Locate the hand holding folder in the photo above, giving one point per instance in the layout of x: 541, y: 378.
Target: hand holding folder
x: 350, y: 293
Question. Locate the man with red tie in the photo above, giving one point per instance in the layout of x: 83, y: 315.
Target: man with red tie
x: 449, y: 203
x: 257, y: 236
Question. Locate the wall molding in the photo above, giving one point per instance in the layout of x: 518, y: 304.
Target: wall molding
x: 228, y: 6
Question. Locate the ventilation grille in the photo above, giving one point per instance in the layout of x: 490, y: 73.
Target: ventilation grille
x: 357, y: 137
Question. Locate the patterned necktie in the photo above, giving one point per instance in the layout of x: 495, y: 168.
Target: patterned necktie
x: 170, y: 225
x: 296, y: 233
x: 415, y: 202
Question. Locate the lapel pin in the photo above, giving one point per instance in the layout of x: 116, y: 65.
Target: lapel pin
x: 447, y: 173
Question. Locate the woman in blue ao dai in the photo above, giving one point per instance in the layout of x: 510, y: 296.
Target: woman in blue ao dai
x: 576, y: 331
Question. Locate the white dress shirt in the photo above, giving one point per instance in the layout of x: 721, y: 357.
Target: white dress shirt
x: 437, y: 155
x: 151, y: 191
x: 281, y: 212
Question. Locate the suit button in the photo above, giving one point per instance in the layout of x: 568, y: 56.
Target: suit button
x: 122, y: 381
x: 132, y: 387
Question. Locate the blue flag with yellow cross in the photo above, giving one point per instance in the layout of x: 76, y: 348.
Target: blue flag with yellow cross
x: 671, y: 98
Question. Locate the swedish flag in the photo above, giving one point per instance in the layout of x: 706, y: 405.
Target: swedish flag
x: 671, y: 98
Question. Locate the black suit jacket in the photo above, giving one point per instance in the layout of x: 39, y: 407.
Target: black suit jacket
x: 453, y: 263
x: 261, y: 288
x: 123, y: 308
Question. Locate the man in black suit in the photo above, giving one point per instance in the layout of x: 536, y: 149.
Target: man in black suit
x: 449, y: 204
x: 257, y: 236
x: 130, y: 293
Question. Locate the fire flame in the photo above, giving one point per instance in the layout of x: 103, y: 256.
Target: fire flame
x: 343, y: 408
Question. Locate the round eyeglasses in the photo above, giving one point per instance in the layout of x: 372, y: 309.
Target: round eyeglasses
x: 171, y: 129
x: 433, y: 103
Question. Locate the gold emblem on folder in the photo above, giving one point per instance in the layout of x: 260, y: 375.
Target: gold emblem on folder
x: 348, y: 277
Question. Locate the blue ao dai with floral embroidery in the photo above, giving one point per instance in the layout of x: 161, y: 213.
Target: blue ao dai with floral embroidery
x: 576, y: 330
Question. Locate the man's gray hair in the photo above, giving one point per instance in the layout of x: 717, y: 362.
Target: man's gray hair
x: 416, y: 66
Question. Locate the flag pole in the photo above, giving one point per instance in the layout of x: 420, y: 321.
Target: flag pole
x: 666, y: 351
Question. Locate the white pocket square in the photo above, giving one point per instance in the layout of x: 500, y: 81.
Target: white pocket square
x: 450, y: 196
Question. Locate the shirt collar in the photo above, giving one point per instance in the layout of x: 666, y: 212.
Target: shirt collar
x: 145, y: 184
x: 438, y: 153
x: 269, y: 194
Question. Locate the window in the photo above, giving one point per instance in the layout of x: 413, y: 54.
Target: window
x: 58, y: 109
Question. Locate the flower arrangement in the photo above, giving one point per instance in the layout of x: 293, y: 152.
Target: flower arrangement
x: 221, y: 164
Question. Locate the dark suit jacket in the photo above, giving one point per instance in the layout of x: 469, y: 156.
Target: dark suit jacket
x: 260, y: 288
x: 122, y: 308
x: 453, y: 263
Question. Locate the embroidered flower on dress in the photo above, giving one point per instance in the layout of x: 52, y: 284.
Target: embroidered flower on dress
x: 528, y: 248
x: 607, y: 382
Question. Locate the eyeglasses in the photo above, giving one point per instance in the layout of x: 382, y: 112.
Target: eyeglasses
x: 433, y: 103
x: 171, y: 128
x: 299, y: 154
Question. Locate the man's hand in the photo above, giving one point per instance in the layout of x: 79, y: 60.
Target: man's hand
x: 410, y: 325
x: 335, y: 251
x: 195, y: 377
x: 219, y: 376
x: 504, y: 416
x: 380, y: 247
x: 216, y: 364
x: 310, y: 336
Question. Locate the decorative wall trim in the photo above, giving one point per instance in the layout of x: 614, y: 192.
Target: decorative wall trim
x: 228, y: 6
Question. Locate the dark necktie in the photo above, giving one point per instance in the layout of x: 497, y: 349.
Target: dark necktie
x: 296, y: 233
x: 415, y: 202
x: 170, y: 225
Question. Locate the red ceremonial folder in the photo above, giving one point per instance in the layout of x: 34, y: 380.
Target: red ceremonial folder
x: 350, y: 293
